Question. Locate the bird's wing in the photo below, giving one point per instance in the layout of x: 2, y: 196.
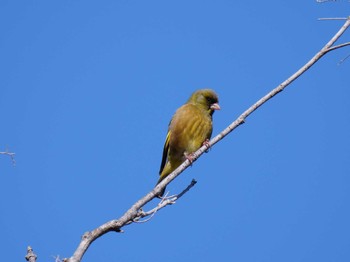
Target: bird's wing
x: 165, y: 152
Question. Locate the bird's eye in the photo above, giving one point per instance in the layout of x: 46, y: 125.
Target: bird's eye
x: 209, y: 100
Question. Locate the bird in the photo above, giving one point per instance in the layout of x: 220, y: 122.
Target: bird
x: 190, y: 127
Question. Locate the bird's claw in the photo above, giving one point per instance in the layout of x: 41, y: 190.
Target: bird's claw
x: 207, y: 145
x: 190, y: 157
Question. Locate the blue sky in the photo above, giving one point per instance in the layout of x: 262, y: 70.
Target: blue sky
x: 87, y: 90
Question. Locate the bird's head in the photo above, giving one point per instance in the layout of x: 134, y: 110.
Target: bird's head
x: 206, y: 99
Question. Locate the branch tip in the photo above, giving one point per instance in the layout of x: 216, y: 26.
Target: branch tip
x: 332, y: 18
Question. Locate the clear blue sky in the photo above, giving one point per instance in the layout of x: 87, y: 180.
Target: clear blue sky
x: 87, y: 89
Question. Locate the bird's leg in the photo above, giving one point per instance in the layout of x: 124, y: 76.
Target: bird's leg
x: 207, y: 144
x: 190, y: 157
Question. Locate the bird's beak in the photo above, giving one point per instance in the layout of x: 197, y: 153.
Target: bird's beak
x: 215, y: 106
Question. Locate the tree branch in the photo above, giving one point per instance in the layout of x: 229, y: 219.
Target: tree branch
x: 324, y: 1
x: 338, y: 46
x: 167, y: 200
x: 135, y: 212
x: 10, y: 154
x: 342, y: 60
x: 331, y: 18
x: 31, y: 257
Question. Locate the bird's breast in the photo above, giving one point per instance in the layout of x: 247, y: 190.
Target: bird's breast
x: 190, y: 127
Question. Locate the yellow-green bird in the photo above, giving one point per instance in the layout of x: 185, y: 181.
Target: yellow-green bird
x: 189, y: 128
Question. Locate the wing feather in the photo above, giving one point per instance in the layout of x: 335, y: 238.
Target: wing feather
x: 165, y: 152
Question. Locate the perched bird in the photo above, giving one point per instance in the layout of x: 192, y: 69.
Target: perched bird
x: 190, y: 127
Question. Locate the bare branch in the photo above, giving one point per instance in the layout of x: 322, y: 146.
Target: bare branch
x: 57, y: 258
x: 135, y: 212
x: 10, y: 154
x: 331, y: 18
x: 338, y: 46
x: 31, y: 257
x: 342, y: 60
x: 324, y: 1
x: 167, y: 200
x: 240, y: 120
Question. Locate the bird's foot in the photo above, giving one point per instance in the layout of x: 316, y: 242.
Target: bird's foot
x: 207, y: 145
x: 190, y: 157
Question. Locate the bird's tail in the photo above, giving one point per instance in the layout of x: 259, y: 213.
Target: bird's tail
x: 163, y: 174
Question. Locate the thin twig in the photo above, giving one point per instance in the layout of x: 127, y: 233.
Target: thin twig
x: 31, y: 256
x: 11, y: 155
x: 338, y: 46
x: 324, y: 1
x: 331, y: 18
x: 166, y: 200
x: 57, y: 258
x: 342, y: 60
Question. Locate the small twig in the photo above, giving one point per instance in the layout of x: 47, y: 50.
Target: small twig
x: 57, y: 258
x: 10, y: 154
x: 193, y: 183
x: 152, y: 212
x: 342, y: 60
x: 324, y: 1
x: 31, y: 257
x: 338, y: 46
x: 166, y: 200
x: 331, y: 18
